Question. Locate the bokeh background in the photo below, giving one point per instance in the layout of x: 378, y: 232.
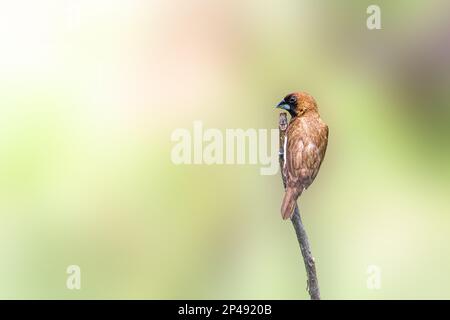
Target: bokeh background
x: 90, y: 92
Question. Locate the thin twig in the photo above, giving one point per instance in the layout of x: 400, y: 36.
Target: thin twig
x: 312, y: 282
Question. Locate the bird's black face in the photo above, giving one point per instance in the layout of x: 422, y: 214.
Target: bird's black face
x: 289, y: 103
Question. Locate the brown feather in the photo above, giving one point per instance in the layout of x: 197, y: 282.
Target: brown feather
x: 307, y: 139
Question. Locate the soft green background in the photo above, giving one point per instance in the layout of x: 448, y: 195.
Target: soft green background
x: 90, y: 92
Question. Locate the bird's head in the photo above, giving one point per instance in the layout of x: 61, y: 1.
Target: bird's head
x: 298, y: 104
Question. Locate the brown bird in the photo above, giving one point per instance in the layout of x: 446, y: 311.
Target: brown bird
x: 304, y: 147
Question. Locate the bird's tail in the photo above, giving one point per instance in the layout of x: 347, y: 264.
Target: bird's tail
x: 289, y: 202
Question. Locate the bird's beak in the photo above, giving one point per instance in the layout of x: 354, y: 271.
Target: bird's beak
x: 283, y: 105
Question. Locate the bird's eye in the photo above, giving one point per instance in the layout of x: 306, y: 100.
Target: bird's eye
x: 292, y: 99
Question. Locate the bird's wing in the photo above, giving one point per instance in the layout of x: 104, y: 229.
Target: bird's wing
x: 305, y: 152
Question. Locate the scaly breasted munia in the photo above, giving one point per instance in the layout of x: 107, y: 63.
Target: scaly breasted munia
x: 304, y: 147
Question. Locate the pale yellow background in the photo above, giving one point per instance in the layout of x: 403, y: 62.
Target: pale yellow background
x: 90, y: 92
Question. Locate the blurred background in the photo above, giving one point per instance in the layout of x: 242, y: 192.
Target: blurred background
x: 90, y: 92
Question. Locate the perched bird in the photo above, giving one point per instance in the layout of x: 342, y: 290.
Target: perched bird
x: 304, y: 147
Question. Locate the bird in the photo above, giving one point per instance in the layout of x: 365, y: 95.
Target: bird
x: 305, y: 145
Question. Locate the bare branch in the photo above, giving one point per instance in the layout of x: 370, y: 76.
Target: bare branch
x: 312, y: 282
